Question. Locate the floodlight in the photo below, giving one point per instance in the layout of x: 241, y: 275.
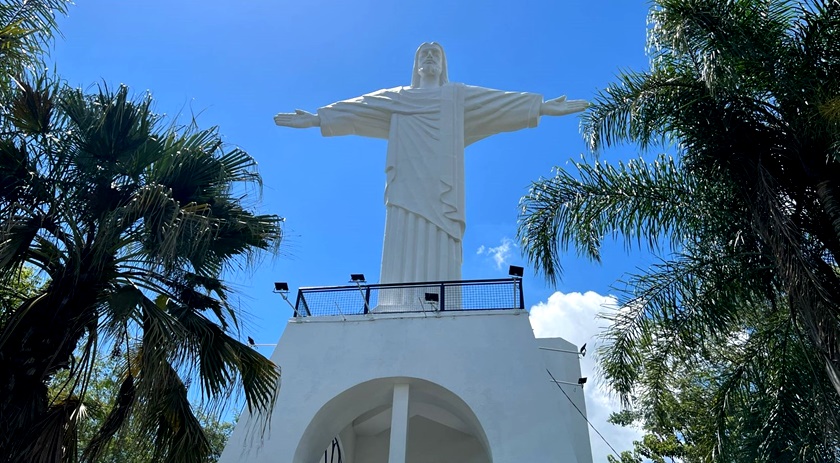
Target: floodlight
x: 282, y: 288
x: 432, y: 297
x: 582, y: 380
x: 516, y: 271
x: 359, y: 278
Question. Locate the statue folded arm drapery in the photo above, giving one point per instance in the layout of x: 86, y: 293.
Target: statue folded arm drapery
x: 427, y: 125
x: 427, y: 130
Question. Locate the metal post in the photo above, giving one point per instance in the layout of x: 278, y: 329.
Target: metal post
x: 442, y: 297
x: 365, y: 296
x: 297, y: 303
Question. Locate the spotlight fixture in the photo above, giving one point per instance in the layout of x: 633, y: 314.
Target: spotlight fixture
x: 516, y: 271
x: 582, y: 381
x: 282, y: 288
x: 432, y: 297
x: 359, y: 278
x: 583, y: 350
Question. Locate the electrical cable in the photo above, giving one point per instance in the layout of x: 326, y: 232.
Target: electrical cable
x: 583, y: 414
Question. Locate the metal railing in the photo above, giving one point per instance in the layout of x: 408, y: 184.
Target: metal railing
x: 432, y: 296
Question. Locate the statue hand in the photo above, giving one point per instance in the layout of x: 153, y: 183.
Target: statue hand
x: 561, y: 106
x: 299, y: 119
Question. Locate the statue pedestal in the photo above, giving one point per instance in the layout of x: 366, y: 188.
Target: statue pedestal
x: 461, y: 386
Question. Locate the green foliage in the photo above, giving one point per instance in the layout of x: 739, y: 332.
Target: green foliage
x: 17, y: 289
x: 759, y: 395
x: 625, y: 457
x: 131, y: 223
x: 145, y: 221
x: 26, y: 31
x: 728, y: 349
x: 128, y: 445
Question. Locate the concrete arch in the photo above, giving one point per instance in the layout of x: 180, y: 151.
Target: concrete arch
x: 374, y: 396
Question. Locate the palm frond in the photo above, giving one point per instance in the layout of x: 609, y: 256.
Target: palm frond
x: 642, y: 202
x: 115, y: 419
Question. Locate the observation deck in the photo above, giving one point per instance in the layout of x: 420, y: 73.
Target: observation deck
x: 425, y: 297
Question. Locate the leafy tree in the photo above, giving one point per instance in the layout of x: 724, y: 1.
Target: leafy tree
x: 748, y: 94
x: 758, y: 396
x: 17, y: 289
x: 128, y: 445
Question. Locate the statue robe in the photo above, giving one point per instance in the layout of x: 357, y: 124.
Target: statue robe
x: 427, y: 130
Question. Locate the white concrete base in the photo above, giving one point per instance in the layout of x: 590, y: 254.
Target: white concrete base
x: 462, y: 387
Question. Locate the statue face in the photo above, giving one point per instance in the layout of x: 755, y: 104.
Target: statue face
x: 430, y: 61
x: 429, y: 65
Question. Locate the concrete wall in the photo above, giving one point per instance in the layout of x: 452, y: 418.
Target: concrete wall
x: 428, y: 442
x: 564, y: 366
x: 484, y: 368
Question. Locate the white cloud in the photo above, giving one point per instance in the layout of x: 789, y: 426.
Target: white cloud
x: 501, y: 253
x: 572, y: 317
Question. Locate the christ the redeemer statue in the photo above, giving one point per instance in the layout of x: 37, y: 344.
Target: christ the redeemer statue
x: 427, y: 126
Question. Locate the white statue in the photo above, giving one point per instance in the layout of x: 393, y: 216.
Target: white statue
x: 427, y: 126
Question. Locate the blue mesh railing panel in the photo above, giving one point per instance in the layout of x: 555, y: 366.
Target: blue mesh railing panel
x: 410, y: 297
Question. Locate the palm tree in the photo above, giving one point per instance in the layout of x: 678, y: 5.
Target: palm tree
x: 26, y: 31
x: 754, y: 394
x: 748, y: 94
x: 131, y: 223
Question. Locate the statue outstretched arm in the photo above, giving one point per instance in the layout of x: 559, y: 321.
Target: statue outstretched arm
x: 299, y: 119
x: 561, y: 106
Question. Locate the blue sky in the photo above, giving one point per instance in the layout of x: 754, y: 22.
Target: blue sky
x: 236, y: 64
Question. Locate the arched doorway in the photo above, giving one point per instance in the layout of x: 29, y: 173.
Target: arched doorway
x: 356, y: 426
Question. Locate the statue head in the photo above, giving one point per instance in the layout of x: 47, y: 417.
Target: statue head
x: 429, y: 58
